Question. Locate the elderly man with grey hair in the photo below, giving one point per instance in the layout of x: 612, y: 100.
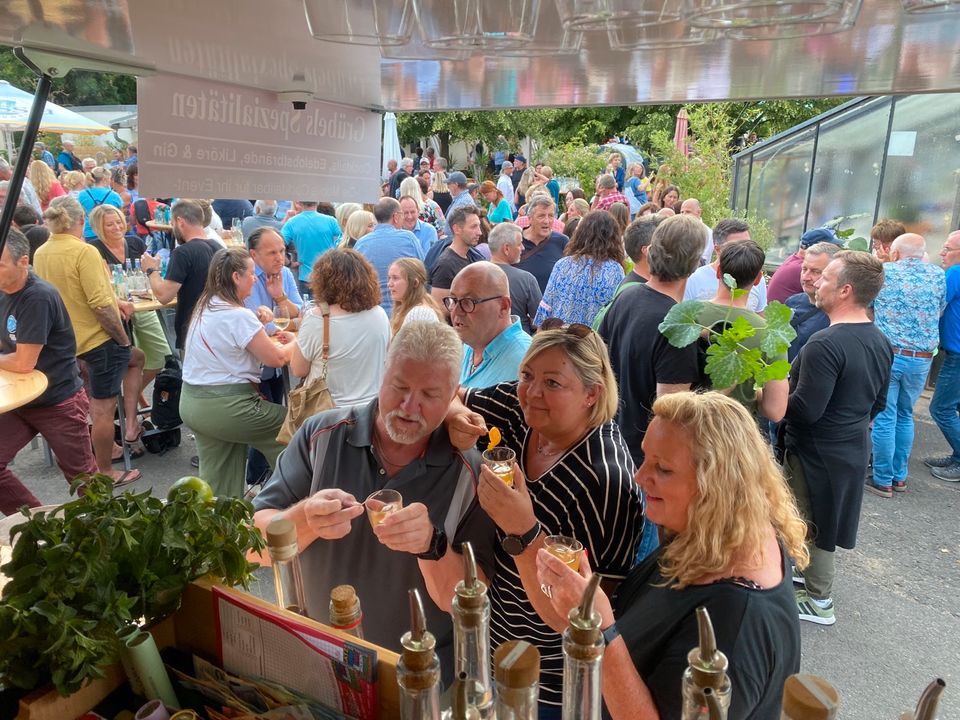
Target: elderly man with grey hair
x: 505, y: 183
x: 479, y: 306
x: 405, y: 171
x: 264, y: 215
x: 907, y: 310
x: 27, y: 194
x: 396, y: 443
x: 542, y: 245
x: 506, y: 245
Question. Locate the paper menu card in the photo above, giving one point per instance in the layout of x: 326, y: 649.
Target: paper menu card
x: 259, y: 642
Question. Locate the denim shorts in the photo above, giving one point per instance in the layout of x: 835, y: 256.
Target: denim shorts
x: 106, y: 366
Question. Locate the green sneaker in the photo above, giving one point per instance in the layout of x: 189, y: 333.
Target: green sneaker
x: 812, y: 612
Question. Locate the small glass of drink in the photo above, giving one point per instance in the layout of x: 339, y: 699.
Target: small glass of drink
x: 382, y: 503
x: 566, y: 549
x: 500, y: 459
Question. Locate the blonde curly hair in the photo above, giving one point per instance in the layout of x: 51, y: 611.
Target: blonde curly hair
x: 741, y: 490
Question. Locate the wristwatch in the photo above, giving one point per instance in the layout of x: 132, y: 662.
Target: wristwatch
x: 151, y: 271
x: 611, y: 634
x: 438, y: 546
x: 516, y: 544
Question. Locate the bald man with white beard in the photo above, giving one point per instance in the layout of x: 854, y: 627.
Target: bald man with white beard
x: 691, y: 206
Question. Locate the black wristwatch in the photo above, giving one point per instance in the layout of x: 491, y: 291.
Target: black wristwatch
x: 151, y: 271
x: 438, y: 546
x: 516, y: 544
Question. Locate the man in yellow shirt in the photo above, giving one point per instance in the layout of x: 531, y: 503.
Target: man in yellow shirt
x: 77, y: 271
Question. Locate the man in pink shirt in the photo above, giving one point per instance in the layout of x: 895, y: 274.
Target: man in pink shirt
x: 607, y: 193
x: 786, y: 280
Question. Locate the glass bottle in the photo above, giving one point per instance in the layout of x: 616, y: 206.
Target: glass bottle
x: 345, y: 612
x: 809, y: 697
x: 516, y: 667
x: 287, y: 577
x: 471, y: 636
x: 418, y: 670
x: 929, y: 702
x: 582, y: 658
x: 707, y: 668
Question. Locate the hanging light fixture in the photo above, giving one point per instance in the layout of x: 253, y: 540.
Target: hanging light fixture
x: 829, y: 26
x: 735, y: 14
x: 611, y: 15
x: 930, y: 7
x: 663, y: 37
x: 477, y: 25
x: 360, y: 22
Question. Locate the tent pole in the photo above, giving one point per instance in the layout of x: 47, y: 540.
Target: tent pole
x: 23, y: 159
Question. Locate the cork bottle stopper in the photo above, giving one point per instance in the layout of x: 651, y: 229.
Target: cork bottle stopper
x: 516, y: 664
x: 810, y: 697
x: 282, y: 539
x: 344, y: 599
x: 471, y: 591
x: 418, y: 644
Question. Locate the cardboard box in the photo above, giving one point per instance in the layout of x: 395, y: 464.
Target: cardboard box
x: 192, y: 629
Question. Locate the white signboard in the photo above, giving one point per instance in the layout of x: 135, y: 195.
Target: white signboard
x: 202, y: 139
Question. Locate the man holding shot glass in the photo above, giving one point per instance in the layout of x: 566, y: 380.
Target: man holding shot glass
x: 420, y: 491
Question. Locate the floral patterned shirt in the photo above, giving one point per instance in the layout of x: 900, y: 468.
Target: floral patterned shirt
x: 577, y: 289
x: 908, y: 308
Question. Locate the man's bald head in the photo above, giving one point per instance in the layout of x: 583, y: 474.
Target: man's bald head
x: 908, y: 245
x: 487, y: 285
x: 487, y: 277
x: 691, y: 206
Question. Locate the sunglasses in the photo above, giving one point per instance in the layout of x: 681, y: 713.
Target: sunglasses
x: 578, y: 330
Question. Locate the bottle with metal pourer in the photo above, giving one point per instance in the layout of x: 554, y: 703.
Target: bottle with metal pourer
x: 418, y: 671
x: 471, y: 637
x: 929, y: 702
x: 707, y: 668
x: 582, y: 658
x: 809, y: 697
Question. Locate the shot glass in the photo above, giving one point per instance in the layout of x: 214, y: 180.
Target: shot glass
x: 500, y: 460
x: 382, y: 503
x: 565, y: 549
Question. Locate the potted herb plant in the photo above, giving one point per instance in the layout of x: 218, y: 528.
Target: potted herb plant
x: 81, y: 575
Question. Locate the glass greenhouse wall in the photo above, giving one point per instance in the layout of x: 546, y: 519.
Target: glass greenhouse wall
x: 871, y: 158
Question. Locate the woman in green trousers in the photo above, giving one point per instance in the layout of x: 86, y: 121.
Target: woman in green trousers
x: 225, y: 348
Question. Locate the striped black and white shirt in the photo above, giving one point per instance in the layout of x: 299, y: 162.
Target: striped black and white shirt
x: 589, y: 494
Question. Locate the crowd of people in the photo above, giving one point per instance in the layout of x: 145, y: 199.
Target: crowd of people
x: 449, y: 308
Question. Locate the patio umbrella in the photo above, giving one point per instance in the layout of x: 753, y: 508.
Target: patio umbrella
x: 15, y: 108
x: 680, y: 131
x: 391, y: 142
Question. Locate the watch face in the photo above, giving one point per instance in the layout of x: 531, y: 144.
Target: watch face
x: 512, y: 544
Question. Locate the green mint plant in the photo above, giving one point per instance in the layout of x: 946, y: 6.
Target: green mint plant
x: 83, y: 574
x: 729, y: 361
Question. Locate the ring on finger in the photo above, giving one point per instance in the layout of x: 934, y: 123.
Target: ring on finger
x: 546, y: 590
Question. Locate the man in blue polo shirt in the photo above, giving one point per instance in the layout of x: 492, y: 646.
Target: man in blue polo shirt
x: 946, y: 398
x: 311, y: 234
x: 425, y: 232
x: 275, y: 288
x: 387, y: 243
x: 479, y: 305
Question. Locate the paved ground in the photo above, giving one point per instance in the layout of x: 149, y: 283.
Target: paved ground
x: 897, y: 595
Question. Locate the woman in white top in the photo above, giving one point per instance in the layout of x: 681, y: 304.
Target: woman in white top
x: 407, y: 283
x: 359, y: 329
x: 225, y: 348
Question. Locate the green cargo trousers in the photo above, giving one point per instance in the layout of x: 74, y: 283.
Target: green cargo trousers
x: 226, y: 419
x: 821, y: 572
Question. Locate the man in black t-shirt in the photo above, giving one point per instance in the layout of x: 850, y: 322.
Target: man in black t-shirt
x: 189, y: 262
x: 646, y: 365
x: 37, y: 335
x: 464, y: 223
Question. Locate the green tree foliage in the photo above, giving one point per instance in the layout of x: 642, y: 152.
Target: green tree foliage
x: 78, y: 87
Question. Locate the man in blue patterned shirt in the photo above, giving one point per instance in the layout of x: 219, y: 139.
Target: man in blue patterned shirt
x: 946, y: 398
x: 907, y: 311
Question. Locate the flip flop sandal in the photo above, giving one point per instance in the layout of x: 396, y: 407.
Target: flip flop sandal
x: 128, y: 476
x: 134, y: 454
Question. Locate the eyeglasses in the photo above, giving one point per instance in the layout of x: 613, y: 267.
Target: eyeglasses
x: 467, y: 304
x: 578, y: 330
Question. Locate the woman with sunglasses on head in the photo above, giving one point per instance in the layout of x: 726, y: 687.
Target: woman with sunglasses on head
x: 572, y: 477
x: 587, y: 276
x: 730, y: 527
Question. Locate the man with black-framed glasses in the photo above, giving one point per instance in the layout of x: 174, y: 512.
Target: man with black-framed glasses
x: 465, y: 231
x: 479, y: 306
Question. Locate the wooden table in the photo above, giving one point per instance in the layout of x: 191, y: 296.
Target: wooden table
x: 159, y: 226
x: 17, y: 389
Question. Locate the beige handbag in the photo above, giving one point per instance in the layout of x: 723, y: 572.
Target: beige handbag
x: 312, y: 396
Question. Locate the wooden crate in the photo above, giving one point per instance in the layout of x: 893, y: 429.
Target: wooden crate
x: 192, y: 629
